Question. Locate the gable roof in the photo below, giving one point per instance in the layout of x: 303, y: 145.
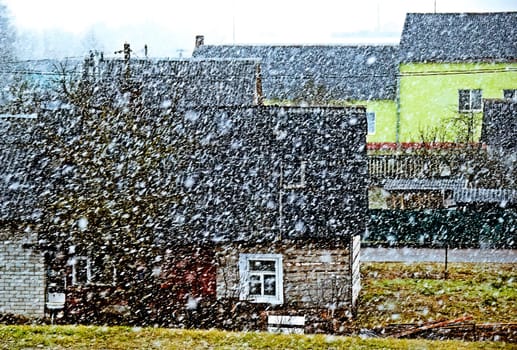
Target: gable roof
x: 248, y: 158
x: 19, y: 171
x: 220, y: 175
x: 457, y: 37
x: 343, y: 72
x: 186, y: 83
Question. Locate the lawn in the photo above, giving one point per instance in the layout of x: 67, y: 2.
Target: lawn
x: 89, y: 337
x: 413, y: 293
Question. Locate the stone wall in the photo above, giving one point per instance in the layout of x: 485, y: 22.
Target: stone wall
x: 22, y: 275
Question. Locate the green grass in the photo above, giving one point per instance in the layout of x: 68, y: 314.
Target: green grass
x: 86, y: 337
x: 412, y: 293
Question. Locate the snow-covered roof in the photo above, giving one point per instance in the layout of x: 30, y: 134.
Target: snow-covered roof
x: 314, y: 159
x: 337, y: 72
x: 459, y: 37
x: 186, y: 83
x: 484, y: 195
x: 423, y: 184
x: 18, y: 170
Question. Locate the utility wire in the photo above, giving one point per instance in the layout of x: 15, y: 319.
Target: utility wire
x: 296, y: 76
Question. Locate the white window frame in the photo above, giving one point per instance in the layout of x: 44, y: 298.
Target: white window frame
x: 245, y: 273
x: 371, y: 122
x: 471, y: 97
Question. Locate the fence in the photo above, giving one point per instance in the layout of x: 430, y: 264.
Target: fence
x: 466, y: 228
x: 479, y: 167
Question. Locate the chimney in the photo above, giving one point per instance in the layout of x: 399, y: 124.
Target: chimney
x: 200, y: 40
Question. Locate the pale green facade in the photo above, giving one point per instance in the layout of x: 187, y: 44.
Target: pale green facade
x: 428, y: 97
x: 385, y: 120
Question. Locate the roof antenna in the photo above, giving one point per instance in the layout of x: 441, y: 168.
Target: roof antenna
x: 434, y: 6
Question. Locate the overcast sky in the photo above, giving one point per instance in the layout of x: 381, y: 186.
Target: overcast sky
x: 168, y: 27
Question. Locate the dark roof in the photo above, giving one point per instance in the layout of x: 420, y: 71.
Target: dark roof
x: 456, y: 37
x: 423, y: 184
x: 484, y: 195
x: 19, y: 172
x: 246, y: 158
x: 343, y: 72
x: 186, y: 83
x: 214, y: 174
x: 499, y: 128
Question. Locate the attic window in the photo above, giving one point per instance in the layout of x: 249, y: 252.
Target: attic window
x: 469, y: 100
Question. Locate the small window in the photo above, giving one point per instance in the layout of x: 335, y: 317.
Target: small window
x: 261, y: 278
x: 81, y: 270
x: 370, y: 119
x: 510, y: 94
x: 469, y: 100
x: 88, y: 271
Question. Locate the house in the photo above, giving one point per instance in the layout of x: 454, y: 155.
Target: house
x: 280, y: 194
x: 257, y: 207
x: 22, y: 269
x: 324, y: 75
x: 156, y: 211
x: 449, y: 63
x: 111, y: 177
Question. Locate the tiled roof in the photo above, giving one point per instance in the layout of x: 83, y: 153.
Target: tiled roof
x: 343, y: 72
x: 187, y: 83
x: 247, y: 157
x: 18, y: 173
x: 423, y: 184
x: 484, y: 195
x: 453, y: 37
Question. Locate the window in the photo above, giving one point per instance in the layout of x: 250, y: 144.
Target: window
x: 81, y: 270
x: 469, y: 100
x: 86, y: 271
x: 261, y: 278
x: 510, y: 94
x: 370, y: 119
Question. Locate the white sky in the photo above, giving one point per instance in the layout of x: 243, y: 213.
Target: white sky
x: 168, y: 26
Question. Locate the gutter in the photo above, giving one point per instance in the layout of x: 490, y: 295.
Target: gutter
x: 397, y: 123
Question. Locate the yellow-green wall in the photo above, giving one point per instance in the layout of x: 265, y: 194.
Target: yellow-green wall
x: 385, y: 116
x: 428, y: 94
x: 385, y: 119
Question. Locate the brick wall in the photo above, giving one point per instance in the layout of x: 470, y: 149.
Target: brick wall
x: 22, y: 276
x: 312, y: 277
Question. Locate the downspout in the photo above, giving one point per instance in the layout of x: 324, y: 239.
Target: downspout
x: 397, y: 101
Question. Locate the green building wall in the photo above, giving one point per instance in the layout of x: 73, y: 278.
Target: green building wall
x: 428, y: 96
x: 385, y: 120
